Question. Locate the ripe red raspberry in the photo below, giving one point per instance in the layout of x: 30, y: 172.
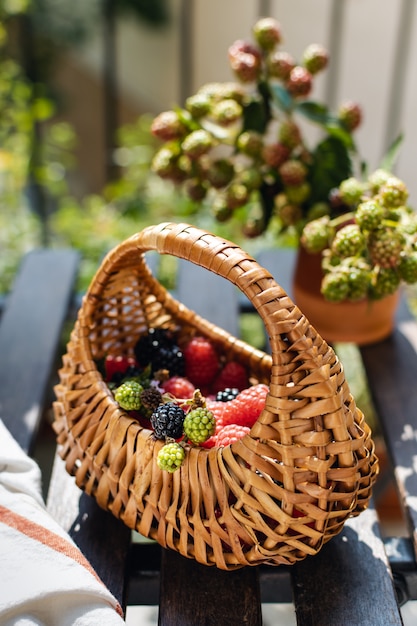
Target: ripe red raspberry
x: 217, y: 408
x: 117, y: 365
x: 179, y: 386
x: 201, y: 361
x: 230, y: 434
x: 246, y: 408
x: 233, y: 374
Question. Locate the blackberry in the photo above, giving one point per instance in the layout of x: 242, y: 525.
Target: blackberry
x: 167, y: 421
x: 170, y: 457
x: 348, y: 241
x: 149, y: 344
x: 316, y: 234
x: 199, y: 425
x: 128, y: 395
x: 335, y: 285
x: 151, y: 398
x: 369, y: 215
x: 408, y: 267
x: 351, y: 190
x: 169, y: 358
x: 230, y: 393
x: 385, y: 282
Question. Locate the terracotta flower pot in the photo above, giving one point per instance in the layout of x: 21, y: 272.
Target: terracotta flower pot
x: 362, y: 322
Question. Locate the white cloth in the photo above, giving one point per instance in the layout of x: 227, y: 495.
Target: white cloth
x: 44, y: 578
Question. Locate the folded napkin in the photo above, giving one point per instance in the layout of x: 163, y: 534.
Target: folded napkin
x: 44, y: 578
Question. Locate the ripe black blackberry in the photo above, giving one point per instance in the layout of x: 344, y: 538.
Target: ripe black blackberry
x: 169, y: 358
x: 230, y: 393
x: 167, y: 421
x: 149, y: 344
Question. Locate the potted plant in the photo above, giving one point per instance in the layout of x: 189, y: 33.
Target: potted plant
x: 246, y: 151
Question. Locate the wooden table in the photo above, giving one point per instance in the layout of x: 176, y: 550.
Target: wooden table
x: 358, y: 577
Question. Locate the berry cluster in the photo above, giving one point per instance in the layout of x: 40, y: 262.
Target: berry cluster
x: 149, y: 387
x: 371, y: 247
x: 238, y: 146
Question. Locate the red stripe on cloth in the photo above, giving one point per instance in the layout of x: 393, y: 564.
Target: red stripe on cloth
x: 48, y: 538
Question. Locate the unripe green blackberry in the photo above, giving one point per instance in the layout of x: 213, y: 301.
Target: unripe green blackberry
x: 197, y: 143
x: 350, y: 114
x: 168, y: 125
x: 128, y: 395
x: 251, y: 178
x: 316, y: 234
x: 408, y: 267
x: 377, y: 179
x: 289, y: 214
x: 267, y: 33
x: 170, y: 457
x: 297, y: 194
x: 359, y: 277
x: 335, y: 285
x: 348, y: 241
x: 164, y: 163
x: 250, y: 142
x: 167, y: 421
x: 198, y: 105
x: 289, y: 134
x: 351, y: 190
x: 393, y: 193
x: 226, y: 112
x: 280, y: 64
x: 385, y: 246
x: 299, y: 82
x: 369, y: 215
x: 236, y: 195
x: 199, y: 425
x: 293, y: 172
x: 318, y: 209
x: 220, y: 173
x: 385, y: 281
x: 315, y: 58
x: 221, y: 211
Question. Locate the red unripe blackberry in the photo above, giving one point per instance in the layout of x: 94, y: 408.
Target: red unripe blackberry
x: 267, y: 33
x: 350, y: 114
x: 299, y: 82
x: 167, y: 126
x: 280, y: 64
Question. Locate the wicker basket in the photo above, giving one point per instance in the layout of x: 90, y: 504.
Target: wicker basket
x: 275, y: 496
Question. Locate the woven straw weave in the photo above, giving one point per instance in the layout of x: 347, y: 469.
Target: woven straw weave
x: 275, y: 496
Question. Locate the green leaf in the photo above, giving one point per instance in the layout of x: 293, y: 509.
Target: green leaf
x: 331, y: 164
x: 388, y: 161
x: 282, y: 98
x: 315, y: 112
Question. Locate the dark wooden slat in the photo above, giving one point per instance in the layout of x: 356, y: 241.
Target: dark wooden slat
x: 30, y: 333
x: 192, y: 594
x: 391, y: 368
x: 348, y: 581
x: 103, y: 539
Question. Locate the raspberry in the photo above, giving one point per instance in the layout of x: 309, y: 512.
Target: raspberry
x: 179, y: 386
x: 115, y: 367
x: 267, y: 33
x: 167, y: 421
x: 280, y: 65
x: 350, y: 114
x: 316, y: 234
x: 299, y: 82
x: 167, y: 126
x: 230, y: 434
x: 201, y: 361
x: 385, y: 246
x: 233, y: 374
x: 199, y: 425
x: 246, y: 407
x: 348, y: 241
x: 369, y: 215
x: 170, y: 457
x: 275, y: 154
x: 128, y: 395
x: 315, y: 58
x: 227, y: 394
x: 197, y: 143
x: 292, y: 172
